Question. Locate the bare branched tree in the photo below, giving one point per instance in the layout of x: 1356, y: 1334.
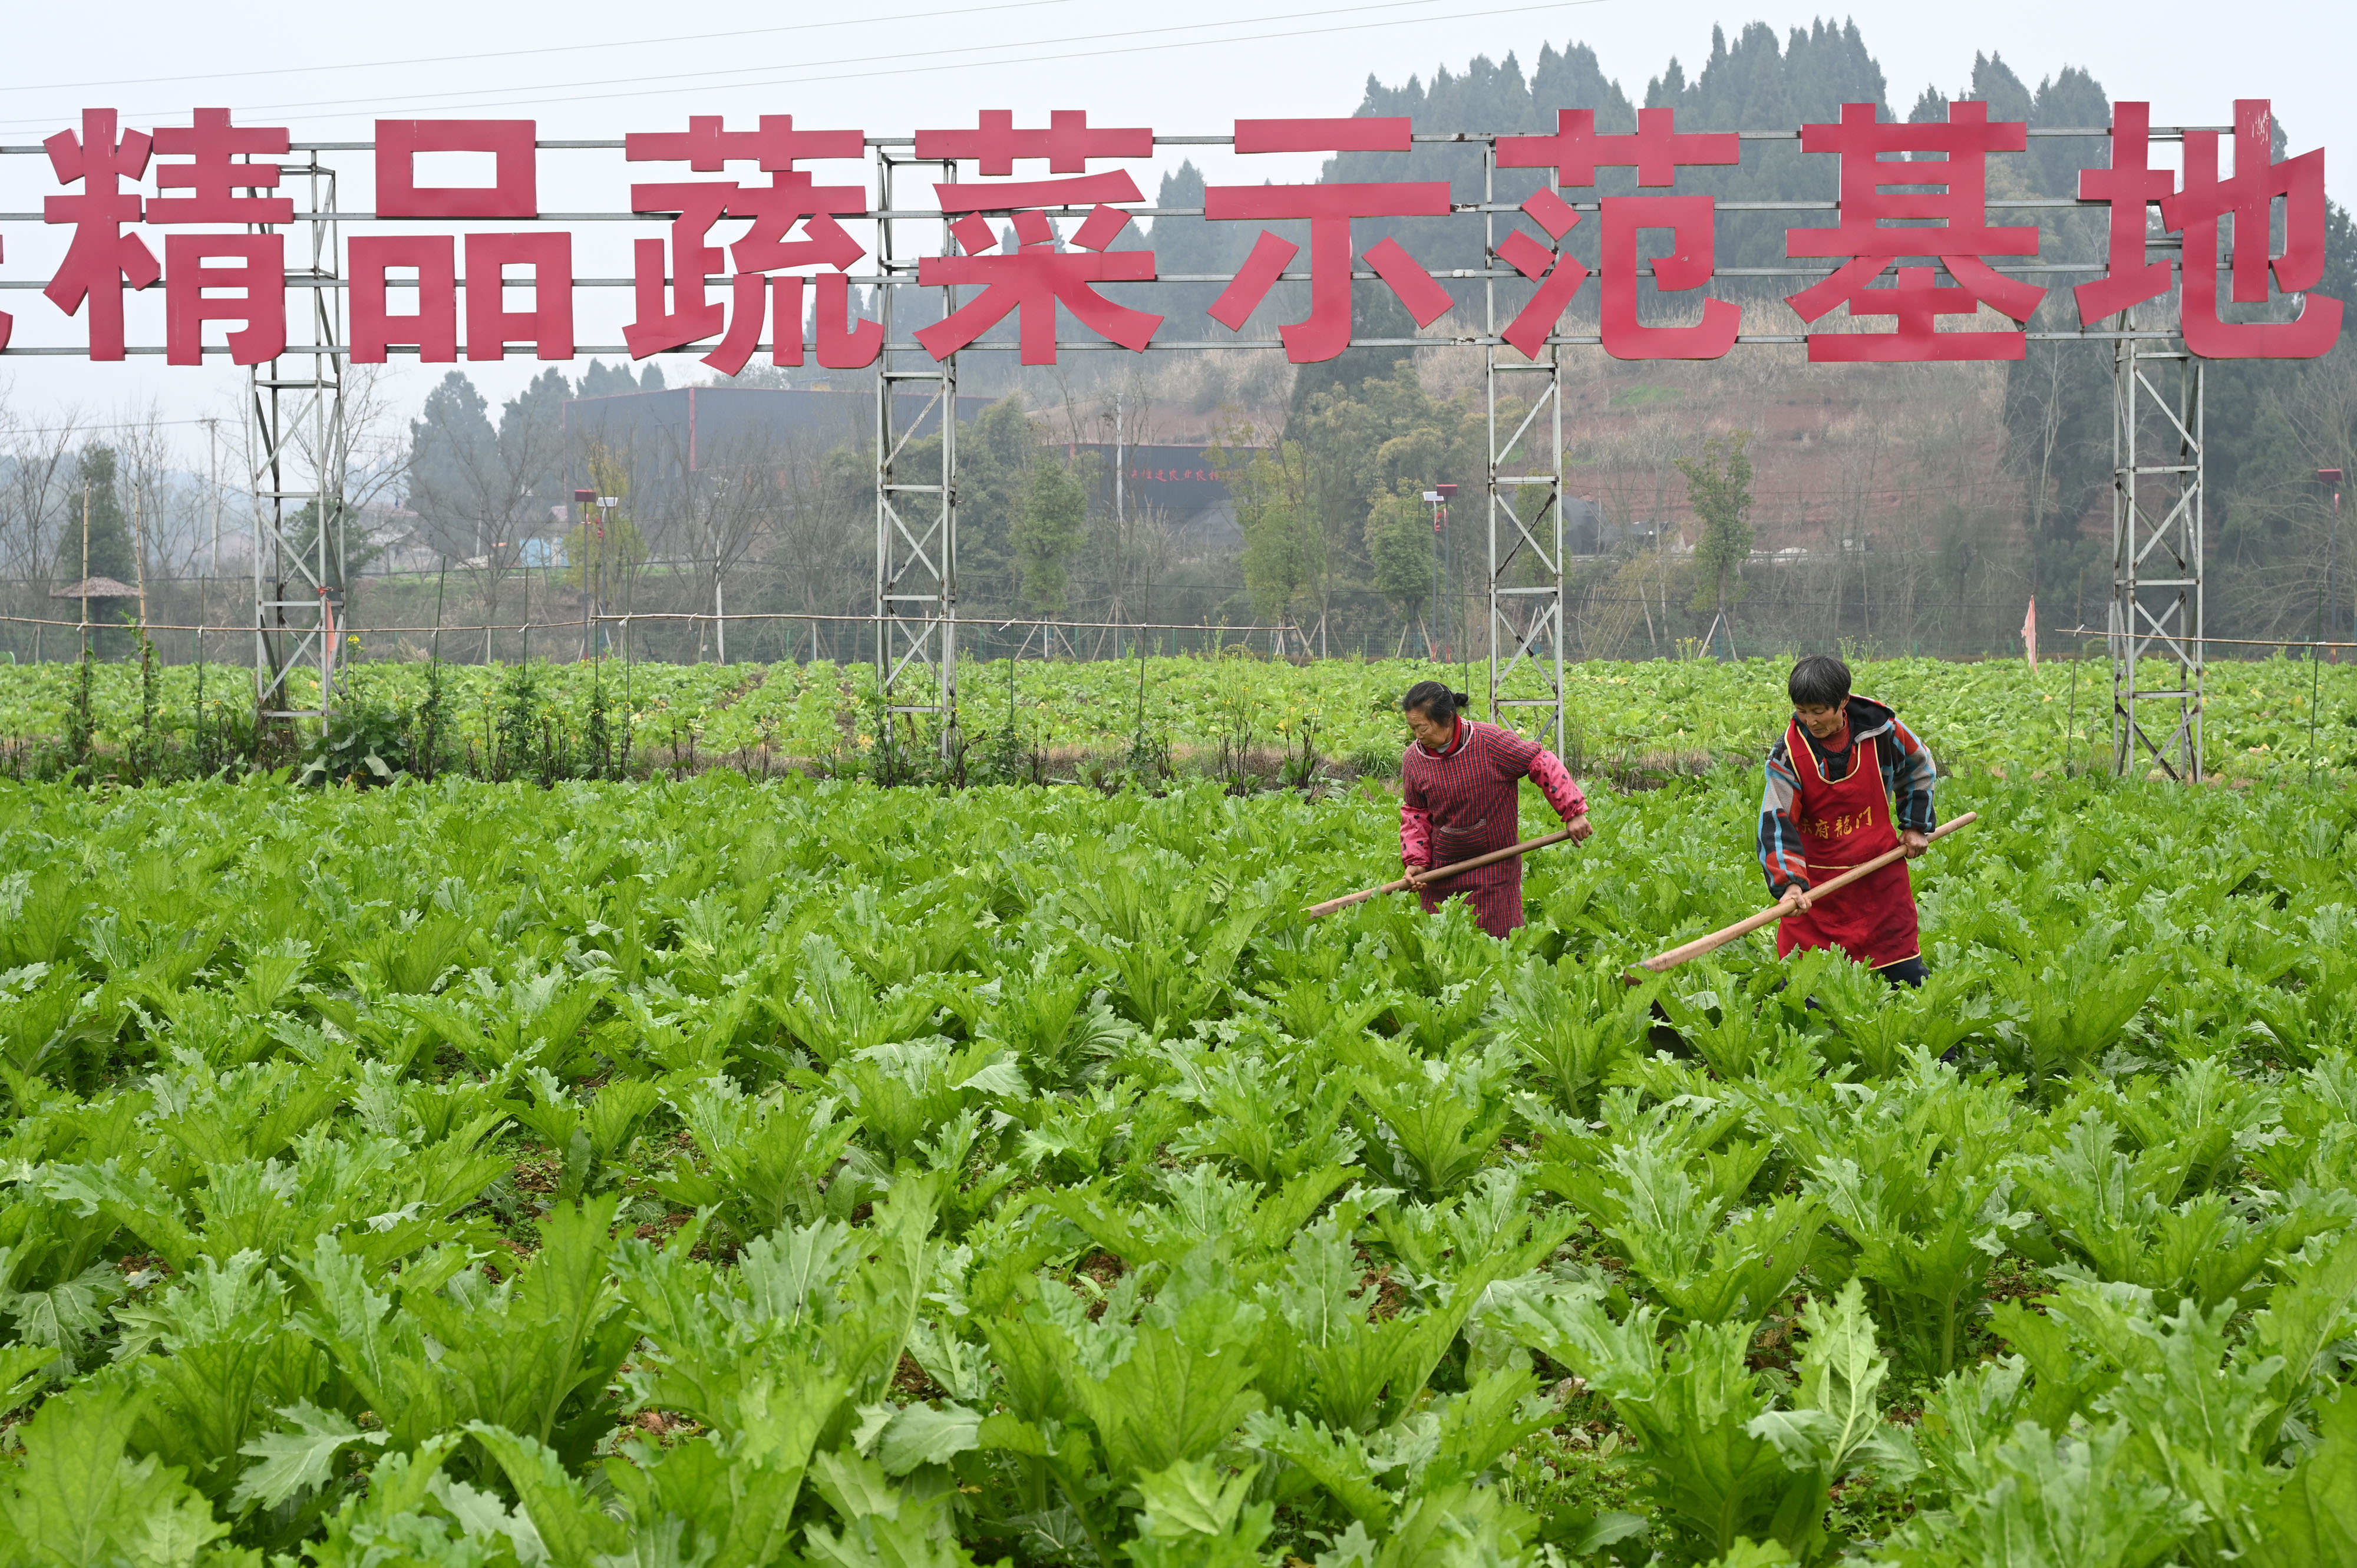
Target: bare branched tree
x: 34, y: 497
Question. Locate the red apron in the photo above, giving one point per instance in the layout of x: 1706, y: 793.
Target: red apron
x: 1844, y: 822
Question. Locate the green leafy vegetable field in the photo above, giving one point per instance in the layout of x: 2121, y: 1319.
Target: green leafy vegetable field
x: 2263, y: 717
x: 721, y: 1174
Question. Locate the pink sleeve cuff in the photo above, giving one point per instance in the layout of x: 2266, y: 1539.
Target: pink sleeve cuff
x: 1415, y: 837
x: 1555, y: 781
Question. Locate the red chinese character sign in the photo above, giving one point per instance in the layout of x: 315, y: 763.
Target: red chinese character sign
x: 1879, y: 226
x: 201, y: 271
x: 2248, y: 196
x: 1917, y: 267
x: 1030, y: 276
x: 544, y: 255
x: 101, y: 258
x: 1655, y: 151
x: 792, y: 196
x: 1331, y: 209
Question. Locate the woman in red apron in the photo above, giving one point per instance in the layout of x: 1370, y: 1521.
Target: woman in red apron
x: 1458, y: 797
x: 1848, y: 782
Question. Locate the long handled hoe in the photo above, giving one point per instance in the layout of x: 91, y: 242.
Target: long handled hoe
x: 1751, y: 923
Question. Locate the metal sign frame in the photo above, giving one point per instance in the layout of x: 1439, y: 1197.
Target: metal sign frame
x: 295, y: 438
x: 298, y: 438
x: 915, y: 518
x: 2157, y: 553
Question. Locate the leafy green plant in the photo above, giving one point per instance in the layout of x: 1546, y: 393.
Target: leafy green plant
x: 728, y: 1171
x: 1727, y: 1462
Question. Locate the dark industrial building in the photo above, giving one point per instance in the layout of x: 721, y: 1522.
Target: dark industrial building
x: 704, y: 423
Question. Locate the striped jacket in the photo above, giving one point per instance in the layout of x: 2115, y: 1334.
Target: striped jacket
x: 1463, y: 801
x: 1908, y: 775
x: 1460, y: 784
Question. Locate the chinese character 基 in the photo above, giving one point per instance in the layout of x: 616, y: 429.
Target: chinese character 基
x: 2248, y: 196
x: 1030, y: 275
x: 1885, y: 212
x: 1329, y: 209
x: 1656, y: 151
x: 791, y: 197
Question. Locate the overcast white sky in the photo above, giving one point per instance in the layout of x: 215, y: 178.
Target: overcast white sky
x: 592, y: 68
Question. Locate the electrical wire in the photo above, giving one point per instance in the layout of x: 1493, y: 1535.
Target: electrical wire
x: 544, y: 49
x: 573, y: 91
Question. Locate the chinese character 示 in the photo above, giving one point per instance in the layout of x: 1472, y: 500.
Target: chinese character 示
x: 1656, y: 151
x: 102, y: 257
x: 1878, y: 226
x: 791, y: 197
x: 2247, y: 196
x: 1329, y: 209
x: 194, y: 262
x: 1030, y: 275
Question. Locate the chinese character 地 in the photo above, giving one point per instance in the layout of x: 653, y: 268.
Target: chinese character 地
x: 2247, y: 196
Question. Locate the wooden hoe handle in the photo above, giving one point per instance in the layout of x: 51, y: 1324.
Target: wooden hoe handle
x: 1751, y: 923
x: 1456, y: 868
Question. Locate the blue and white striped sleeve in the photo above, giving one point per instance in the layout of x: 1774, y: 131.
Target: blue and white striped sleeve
x: 1911, y: 775
x: 1781, y: 856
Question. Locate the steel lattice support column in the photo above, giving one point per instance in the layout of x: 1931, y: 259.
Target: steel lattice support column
x: 1525, y: 629
x: 916, y: 513
x: 297, y: 450
x: 2155, y: 624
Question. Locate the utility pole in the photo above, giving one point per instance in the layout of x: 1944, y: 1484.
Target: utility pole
x: 2331, y: 480
x: 1120, y: 513
x: 212, y: 444
x: 1437, y: 499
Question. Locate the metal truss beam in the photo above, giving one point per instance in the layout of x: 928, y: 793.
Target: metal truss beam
x: 916, y: 511
x: 1524, y: 500
x: 297, y: 448
x: 2155, y: 623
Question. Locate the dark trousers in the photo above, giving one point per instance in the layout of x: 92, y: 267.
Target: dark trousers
x: 1906, y: 972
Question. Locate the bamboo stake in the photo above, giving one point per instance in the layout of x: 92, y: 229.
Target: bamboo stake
x: 1751, y: 923
x: 1456, y: 868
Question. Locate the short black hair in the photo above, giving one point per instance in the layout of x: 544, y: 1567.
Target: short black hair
x: 1434, y: 701
x: 1820, y: 681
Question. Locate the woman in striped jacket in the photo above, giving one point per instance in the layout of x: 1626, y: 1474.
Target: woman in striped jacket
x: 1459, y: 798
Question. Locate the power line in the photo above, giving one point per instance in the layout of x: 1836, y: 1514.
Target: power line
x: 544, y: 50
x: 572, y: 91
x: 72, y: 429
